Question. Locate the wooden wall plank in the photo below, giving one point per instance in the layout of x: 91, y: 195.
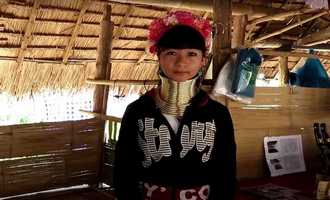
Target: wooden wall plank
x: 86, y: 134
x: 33, y: 174
x: 5, y: 141
x: 275, y: 112
x: 48, y: 155
x: 1, y: 179
x: 82, y: 166
x: 45, y: 138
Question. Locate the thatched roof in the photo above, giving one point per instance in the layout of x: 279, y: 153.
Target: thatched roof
x: 53, y: 44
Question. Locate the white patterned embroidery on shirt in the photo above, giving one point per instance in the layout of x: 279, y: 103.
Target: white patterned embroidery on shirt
x: 149, y: 144
x: 196, y: 136
x: 201, y: 135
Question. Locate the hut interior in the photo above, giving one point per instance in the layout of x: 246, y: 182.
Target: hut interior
x: 102, y: 46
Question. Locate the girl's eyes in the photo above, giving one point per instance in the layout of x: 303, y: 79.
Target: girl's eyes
x: 190, y: 53
x: 171, y: 53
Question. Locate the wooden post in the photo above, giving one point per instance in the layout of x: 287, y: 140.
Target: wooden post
x: 103, y: 64
x: 239, y: 24
x: 103, y: 70
x: 222, y: 40
x: 284, y: 71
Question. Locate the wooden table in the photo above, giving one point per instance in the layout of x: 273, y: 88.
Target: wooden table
x: 303, y: 182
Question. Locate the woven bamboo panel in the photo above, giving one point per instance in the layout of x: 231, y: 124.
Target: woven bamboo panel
x: 276, y: 112
x: 5, y: 141
x: 45, y: 138
x: 33, y: 174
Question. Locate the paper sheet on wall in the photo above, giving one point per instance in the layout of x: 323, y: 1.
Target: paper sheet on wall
x: 284, y: 154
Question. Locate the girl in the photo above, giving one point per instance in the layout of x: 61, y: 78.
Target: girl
x: 175, y: 142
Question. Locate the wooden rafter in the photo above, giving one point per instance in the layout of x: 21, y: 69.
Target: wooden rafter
x: 122, y: 23
x: 206, y: 5
x: 299, y: 64
x: 319, y: 37
x: 142, y: 57
x: 74, y: 61
x: 74, y: 34
x: 120, y: 30
x: 279, y: 16
x: 293, y: 54
x: 122, y: 82
x: 289, y: 27
x: 28, y: 32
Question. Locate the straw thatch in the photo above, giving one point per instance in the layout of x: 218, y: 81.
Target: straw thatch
x: 53, y: 44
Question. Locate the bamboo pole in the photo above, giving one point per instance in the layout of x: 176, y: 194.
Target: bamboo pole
x: 101, y: 116
x: 206, y: 5
x: 284, y: 71
x: 122, y: 82
x: 280, y: 16
x: 318, y: 42
x: 222, y: 40
x: 267, y: 44
x: 293, y: 54
x: 319, y: 37
x: 290, y: 27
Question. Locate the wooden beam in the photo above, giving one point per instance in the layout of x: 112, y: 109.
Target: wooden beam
x: 68, y: 49
x: 67, y: 22
x: 122, y: 82
x: 280, y: 16
x: 222, y: 39
x: 103, y: 71
x: 299, y: 64
x: 101, y: 116
x: 239, y: 24
x: 73, y: 61
x: 123, y: 21
x: 28, y: 32
x: 293, y: 54
x: 289, y: 27
x: 284, y: 71
x: 206, y: 5
x: 322, y: 36
x: 271, y: 44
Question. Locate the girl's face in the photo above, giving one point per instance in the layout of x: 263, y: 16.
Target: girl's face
x: 181, y: 64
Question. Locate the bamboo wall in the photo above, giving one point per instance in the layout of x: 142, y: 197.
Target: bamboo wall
x: 41, y: 156
x: 274, y: 112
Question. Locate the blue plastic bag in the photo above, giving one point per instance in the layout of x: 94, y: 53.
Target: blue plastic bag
x: 311, y: 74
x: 247, y: 66
x: 237, y: 78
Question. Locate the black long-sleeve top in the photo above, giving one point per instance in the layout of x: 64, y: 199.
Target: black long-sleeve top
x: 202, y: 152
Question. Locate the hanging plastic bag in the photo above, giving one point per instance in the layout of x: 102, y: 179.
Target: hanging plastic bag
x: 225, y: 79
x: 237, y: 79
x: 311, y: 74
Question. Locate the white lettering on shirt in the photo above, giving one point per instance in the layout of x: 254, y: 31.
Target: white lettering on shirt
x: 200, y: 135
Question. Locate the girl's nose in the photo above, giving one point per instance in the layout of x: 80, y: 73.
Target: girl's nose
x: 181, y: 59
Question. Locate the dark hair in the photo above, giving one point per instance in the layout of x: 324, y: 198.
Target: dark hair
x: 182, y: 37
